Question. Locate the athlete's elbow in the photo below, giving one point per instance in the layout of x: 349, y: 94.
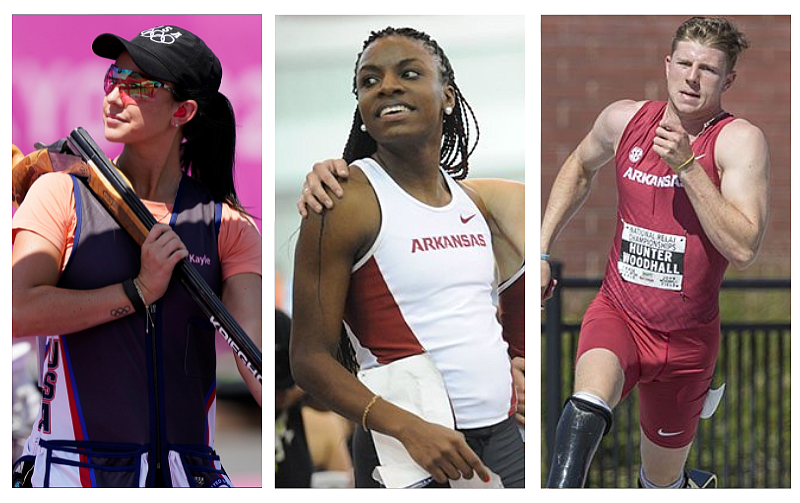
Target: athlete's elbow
x: 302, y: 369
x: 22, y: 323
x: 17, y: 330
x: 20, y: 328
x: 741, y: 265
x: 742, y: 258
x: 300, y: 372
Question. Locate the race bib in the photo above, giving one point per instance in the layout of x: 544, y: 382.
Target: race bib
x: 651, y: 258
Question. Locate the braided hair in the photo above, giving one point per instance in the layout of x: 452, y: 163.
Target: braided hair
x: 456, y: 148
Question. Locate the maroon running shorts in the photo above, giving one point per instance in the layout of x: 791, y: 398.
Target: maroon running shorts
x: 673, y: 369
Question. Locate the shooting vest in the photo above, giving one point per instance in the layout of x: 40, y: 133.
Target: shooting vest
x: 122, y: 398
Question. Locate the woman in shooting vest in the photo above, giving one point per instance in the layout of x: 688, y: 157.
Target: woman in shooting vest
x: 128, y: 378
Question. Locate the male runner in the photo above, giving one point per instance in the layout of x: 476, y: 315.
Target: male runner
x: 692, y: 197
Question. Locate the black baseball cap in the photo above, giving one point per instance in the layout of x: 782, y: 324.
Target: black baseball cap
x: 167, y: 53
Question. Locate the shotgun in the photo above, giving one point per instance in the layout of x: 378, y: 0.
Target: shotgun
x: 114, y: 192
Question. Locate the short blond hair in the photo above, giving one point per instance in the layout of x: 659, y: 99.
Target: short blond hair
x: 716, y: 32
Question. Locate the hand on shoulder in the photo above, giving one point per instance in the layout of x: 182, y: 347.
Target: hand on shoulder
x: 355, y: 221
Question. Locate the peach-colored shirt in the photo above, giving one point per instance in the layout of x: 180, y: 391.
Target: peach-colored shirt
x: 49, y: 211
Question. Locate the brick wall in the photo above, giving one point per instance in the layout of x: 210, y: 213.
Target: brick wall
x: 591, y: 61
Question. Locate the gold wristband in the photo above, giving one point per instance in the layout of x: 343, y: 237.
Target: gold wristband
x: 366, y: 411
x: 686, y: 163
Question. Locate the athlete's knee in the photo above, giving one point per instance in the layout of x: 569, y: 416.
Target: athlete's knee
x: 599, y: 373
x: 582, y: 425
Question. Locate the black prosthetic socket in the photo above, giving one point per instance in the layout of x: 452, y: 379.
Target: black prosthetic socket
x: 578, y: 434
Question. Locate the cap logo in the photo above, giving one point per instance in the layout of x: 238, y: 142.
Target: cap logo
x: 161, y: 35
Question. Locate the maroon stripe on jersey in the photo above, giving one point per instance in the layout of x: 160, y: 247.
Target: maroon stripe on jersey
x: 375, y: 318
x: 512, y: 316
x: 514, y: 402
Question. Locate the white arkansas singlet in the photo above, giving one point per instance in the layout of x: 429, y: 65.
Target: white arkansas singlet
x: 425, y: 286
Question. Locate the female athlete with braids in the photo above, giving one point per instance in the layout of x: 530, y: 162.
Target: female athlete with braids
x: 406, y: 262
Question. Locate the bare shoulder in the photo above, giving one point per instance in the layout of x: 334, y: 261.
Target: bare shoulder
x: 624, y: 107
x: 355, y: 187
x: 358, y: 192
x: 616, y: 116
x: 741, y: 130
x: 741, y: 143
x: 355, y: 220
x: 488, y: 187
x: 503, y: 202
x: 602, y: 140
x: 503, y: 198
x: 493, y: 188
x: 473, y: 188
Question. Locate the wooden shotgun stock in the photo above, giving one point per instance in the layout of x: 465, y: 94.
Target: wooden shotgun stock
x: 28, y: 169
x: 114, y: 192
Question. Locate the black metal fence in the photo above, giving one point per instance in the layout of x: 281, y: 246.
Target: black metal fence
x: 746, y: 443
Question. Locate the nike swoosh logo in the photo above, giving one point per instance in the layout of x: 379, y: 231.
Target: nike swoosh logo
x: 663, y: 433
x: 467, y: 219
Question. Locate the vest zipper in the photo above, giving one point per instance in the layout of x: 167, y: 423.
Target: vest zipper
x: 151, y: 330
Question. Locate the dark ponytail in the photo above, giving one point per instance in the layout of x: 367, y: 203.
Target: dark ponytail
x: 209, y: 146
